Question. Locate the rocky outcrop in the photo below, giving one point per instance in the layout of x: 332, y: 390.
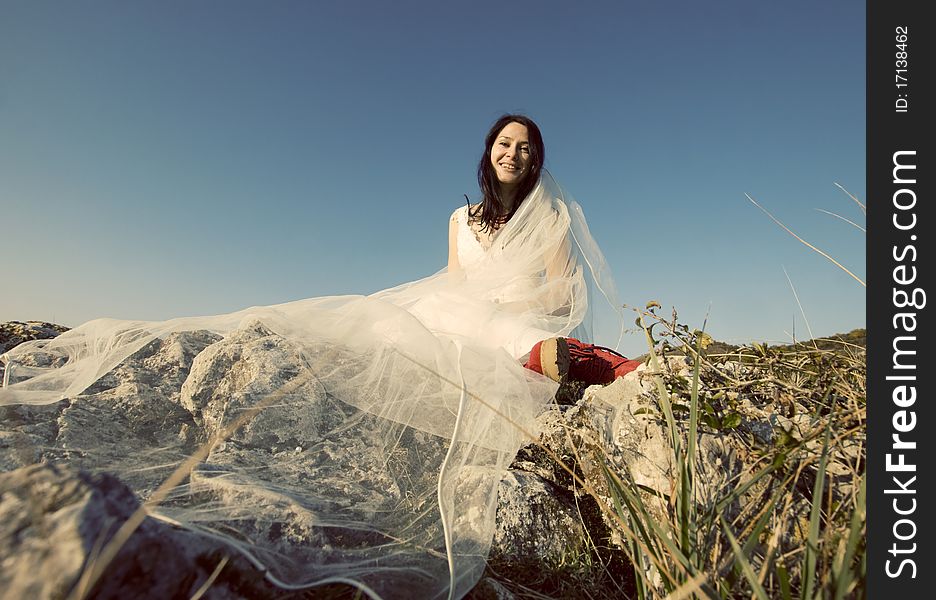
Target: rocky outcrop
x: 621, y: 428
x: 55, y: 520
x: 619, y: 425
x: 138, y: 400
x: 58, y: 504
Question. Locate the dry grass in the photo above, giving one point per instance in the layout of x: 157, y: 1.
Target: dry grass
x: 800, y: 532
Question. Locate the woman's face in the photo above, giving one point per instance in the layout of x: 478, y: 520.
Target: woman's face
x: 510, y: 155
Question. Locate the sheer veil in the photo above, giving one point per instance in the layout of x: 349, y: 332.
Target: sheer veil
x: 394, y: 415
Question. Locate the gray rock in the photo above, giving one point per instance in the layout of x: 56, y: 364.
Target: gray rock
x: 13, y: 333
x: 54, y: 519
x: 28, y: 433
x: 535, y: 522
x: 171, y: 396
x: 236, y: 374
x: 133, y: 417
x: 621, y: 423
x: 135, y: 406
x: 299, y: 444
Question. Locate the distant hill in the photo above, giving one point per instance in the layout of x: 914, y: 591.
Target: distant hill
x: 855, y: 337
x: 836, y: 342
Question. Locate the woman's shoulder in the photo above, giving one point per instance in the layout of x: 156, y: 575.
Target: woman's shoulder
x: 462, y: 212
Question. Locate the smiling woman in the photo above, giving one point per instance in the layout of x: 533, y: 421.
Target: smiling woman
x: 348, y: 438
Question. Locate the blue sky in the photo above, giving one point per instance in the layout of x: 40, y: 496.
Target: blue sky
x: 161, y: 159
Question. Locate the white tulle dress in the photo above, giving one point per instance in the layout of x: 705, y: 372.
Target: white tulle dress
x: 403, y: 409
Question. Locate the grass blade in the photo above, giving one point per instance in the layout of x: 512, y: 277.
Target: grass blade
x: 742, y: 562
x: 842, y: 571
x: 810, y: 557
x: 788, y: 230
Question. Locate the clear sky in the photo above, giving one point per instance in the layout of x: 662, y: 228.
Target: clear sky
x: 162, y: 159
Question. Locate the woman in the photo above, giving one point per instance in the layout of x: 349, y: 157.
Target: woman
x: 372, y: 432
x: 508, y: 172
x: 515, y: 275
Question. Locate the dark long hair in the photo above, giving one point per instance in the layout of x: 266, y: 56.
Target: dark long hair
x: 489, y: 211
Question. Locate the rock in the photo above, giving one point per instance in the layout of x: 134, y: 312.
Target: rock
x: 161, y: 404
x: 535, y: 522
x: 304, y: 439
x: 621, y: 423
x: 14, y: 333
x: 135, y: 406
x: 622, y: 426
x: 53, y: 519
x: 138, y: 401
x: 28, y: 434
x: 171, y: 396
x: 235, y: 374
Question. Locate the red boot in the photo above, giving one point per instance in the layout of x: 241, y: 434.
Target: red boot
x: 568, y: 358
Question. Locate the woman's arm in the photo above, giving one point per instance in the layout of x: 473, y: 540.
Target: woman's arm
x: 558, y: 265
x: 454, y: 267
x: 558, y: 271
